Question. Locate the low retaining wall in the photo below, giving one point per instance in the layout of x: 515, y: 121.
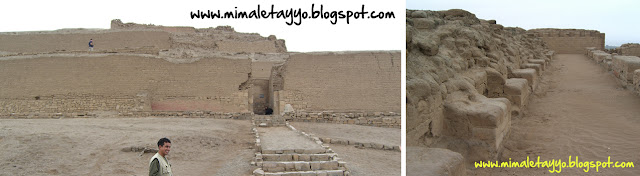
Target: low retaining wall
x: 185, y: 114
x: 626, y: 69
x: 377, y: 119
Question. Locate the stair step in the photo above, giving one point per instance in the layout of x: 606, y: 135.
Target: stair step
x: 260, y: 172
x: 297, y: 157
x: 298, y: 151
x: 281, y: 166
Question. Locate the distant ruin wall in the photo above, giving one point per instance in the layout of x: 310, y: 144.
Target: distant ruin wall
x: 123, y: 84
x: 341, y: 82
x: 104, y: 40
x: 222, y: 39
x: 570, y: 41
x: 117, y: 24
x: 630, y: 49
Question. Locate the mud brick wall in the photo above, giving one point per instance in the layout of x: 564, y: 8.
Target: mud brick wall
x: 117, y: 24
x: 352, y: 81
x: 570, y: 41
x: 72, y: 103
x: 630, y: 49
x: 99, y: 82
x: 378, y: 119
x: 248, y: 46
x: 626, y: 69
x: 103, y: 40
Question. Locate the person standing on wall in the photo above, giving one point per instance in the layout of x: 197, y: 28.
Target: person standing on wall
x: 159, y: 165
x: 91, y: 45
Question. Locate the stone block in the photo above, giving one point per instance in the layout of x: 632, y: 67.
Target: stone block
x: 307, y: 174
x: 601, y: 57
x: 536, y: 67
x: 377, y: 146
x: 335, y: 173
x: 636, y: 80
x: 329, y: 165
x: 463, y: 117
x: 529, y: 74
x: 478, y: 77
x: 273, y: 167
x: 304, y: 158
x: 495, y: 83
x: 625, y: 66
x: 320, y: 157
x: 517, y: 91
x: 321, y: 173
x: 258, y: 172
x: 315, y: 166
x: 290, y: 174
x: 543, y: 63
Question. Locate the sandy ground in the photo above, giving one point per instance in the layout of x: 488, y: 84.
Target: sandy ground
x: 93, y: 146
x: 199, y: 146
x: 578, y: 110
x: 360, y: 161
x: 359, y: 133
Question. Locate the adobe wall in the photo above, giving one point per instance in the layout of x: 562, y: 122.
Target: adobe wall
x: 340, y: 82
x: 222, y: 39
x: 629, y: 49
x: 103, y: 40
x: 122, y: 83
x: 466, y: 78
x: 570, y: 41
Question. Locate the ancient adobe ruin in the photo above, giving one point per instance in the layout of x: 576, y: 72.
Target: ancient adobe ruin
x: 141, y: 70
x: 626, y: 68
x: 627, y: 49
x: 466, y: 79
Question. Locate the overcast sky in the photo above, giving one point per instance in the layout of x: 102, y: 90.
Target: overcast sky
x: 311, y: 35
x: 618, y: 19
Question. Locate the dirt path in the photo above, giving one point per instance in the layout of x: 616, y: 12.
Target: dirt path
x: 283, y: 138
x: 578, y: 110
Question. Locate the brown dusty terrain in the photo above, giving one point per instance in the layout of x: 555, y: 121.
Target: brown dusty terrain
x: 578, y: 110
x: 360, y: 161
x: 199, y: 146
x: 94, y: 146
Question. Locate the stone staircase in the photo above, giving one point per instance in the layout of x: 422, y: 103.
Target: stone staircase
x: 285, y: 151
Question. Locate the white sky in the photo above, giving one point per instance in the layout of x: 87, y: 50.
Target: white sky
x: 618, y: 19
x: 312, y: 35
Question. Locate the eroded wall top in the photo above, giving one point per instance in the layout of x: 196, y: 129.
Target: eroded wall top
x: 629, y: 49
x: 130, y: 37
x: 221, y: 39
x: 570, y: 41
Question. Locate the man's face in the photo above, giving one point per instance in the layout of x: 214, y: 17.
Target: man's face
x: 165, y: 148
